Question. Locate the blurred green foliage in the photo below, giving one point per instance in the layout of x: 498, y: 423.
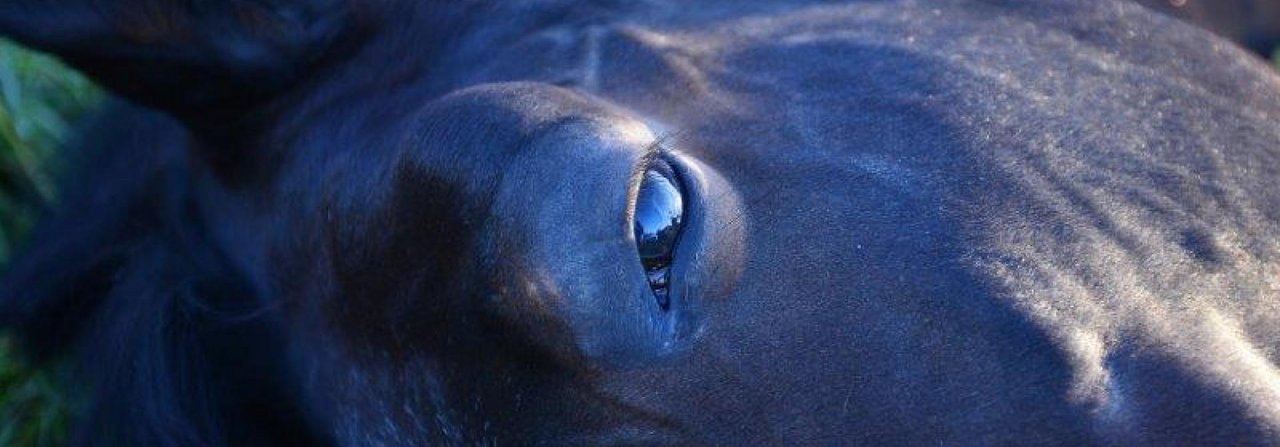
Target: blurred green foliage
x: 33, y: 405
x: 40, y: 101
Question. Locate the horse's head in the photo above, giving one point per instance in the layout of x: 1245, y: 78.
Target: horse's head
x: 408, y: 223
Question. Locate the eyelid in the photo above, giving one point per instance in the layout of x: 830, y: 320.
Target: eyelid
x: 652, y: 153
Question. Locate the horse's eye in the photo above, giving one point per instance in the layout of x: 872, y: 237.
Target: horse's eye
x: 658, y: 216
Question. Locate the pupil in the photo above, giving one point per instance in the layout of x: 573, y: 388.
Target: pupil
x: 658, y: 214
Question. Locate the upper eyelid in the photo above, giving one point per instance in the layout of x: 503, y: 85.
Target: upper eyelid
x: 654, y: 151
x: 651, y: 152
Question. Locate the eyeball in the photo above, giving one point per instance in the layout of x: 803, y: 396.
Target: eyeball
x: 659, y: 214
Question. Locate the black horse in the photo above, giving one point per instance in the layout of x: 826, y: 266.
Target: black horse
x: 1254, y: 24
x: 394, y: 223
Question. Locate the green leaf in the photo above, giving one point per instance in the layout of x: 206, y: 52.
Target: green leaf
x: 40, y: 100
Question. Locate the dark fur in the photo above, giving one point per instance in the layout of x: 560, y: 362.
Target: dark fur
x: 1254, y: 24
x: 405, y: 223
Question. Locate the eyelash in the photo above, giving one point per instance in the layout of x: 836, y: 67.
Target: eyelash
x: 655, y: 150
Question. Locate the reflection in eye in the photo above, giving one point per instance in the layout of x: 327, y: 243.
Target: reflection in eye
x: 658, y: 216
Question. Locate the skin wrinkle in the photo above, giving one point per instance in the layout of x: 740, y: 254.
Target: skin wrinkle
x: 591, y: 60
x: 1137, y: 260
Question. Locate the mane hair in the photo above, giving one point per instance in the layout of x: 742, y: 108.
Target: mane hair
x: 121, y: 279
